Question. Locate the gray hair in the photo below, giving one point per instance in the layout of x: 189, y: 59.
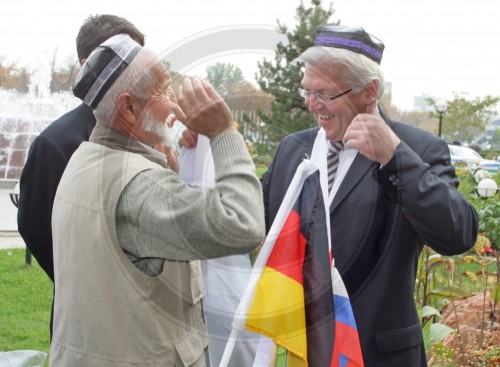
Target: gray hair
x: 358, y: 70
x: 137, y: 79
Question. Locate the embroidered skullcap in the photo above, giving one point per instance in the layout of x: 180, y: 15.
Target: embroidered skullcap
x: 354, y: 39
x: 104, y: 65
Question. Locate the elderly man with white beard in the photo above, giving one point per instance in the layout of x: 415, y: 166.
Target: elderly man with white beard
x: 127, y: 230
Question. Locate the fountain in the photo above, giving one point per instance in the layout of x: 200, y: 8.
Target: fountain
x: 24, y: 116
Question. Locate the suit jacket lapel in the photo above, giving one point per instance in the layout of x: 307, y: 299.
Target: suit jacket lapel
x: 359, y: 168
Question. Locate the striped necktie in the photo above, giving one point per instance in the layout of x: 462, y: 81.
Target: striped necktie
x: 332, y: 161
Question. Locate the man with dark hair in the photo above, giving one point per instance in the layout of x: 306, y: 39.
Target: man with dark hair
x: 98, y: 28
x: 52, y: 149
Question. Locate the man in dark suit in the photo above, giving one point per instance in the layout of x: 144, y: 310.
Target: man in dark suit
x: 395, y: 191
x: 52, y: 149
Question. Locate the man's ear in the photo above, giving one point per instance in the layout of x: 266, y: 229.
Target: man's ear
x: 371, y: 91
x: 128, y: 108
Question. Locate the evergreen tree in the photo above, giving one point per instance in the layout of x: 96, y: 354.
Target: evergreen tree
x: 282, y: 79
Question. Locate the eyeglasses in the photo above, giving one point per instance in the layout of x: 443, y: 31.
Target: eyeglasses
x: 323, y: 98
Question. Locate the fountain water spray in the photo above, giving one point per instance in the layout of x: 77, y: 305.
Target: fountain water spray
x: 24, y: 116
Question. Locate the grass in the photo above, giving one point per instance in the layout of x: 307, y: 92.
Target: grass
x: 26, y: 299
x: 260, y: 170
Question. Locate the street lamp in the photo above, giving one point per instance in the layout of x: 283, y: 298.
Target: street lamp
x: 487, y: 188
x: 440, y: 107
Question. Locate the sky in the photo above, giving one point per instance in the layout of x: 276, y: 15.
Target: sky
x: 433, y: 47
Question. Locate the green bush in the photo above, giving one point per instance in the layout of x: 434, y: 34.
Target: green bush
x: 442, y: 279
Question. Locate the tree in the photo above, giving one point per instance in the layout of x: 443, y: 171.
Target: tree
x: 419, y: 119
x: 63, y: 75
x: 465, y: 118
x: 221, y: 75
x: 386, y: 104
x: 18, y: 78
x: 243, y: 96
x: 495, y: 140
x: 176, y: 78
x: 282, y: 78
x: 13, y: 77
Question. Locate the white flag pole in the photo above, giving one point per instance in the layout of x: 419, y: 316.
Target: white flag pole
x: 304, y: 170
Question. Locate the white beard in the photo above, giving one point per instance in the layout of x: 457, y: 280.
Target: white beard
x: 158, y: 128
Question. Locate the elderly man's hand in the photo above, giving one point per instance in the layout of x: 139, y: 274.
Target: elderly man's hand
x: 172, y: 160
x: 188, y: 139
x: 201, y: 109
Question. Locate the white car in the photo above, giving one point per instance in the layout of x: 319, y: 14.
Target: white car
x: 489, y: 165
x: 467, y: 158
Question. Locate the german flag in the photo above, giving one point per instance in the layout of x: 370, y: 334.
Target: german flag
x: 294, y: 302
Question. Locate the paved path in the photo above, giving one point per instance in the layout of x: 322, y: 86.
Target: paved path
x: 9, y: 237
x: 8, y: 212
x: 11, y: 240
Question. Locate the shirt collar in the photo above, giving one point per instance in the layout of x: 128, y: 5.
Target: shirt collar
x: 115, y: 139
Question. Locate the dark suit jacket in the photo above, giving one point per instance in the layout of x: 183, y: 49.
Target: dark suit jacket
x: 381, y: 218
x: 47, y: 158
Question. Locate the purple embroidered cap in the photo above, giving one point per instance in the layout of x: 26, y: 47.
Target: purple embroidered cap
x: 104, y: 65
x: 354, y: 39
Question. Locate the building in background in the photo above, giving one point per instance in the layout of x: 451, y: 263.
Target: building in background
x: 492, y: 127
x: 420, y: 103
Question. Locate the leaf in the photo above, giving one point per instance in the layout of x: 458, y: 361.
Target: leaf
x: 426, y: 331
x: 421, y: 277
x: 438, y: 332
x: 448, y: 292
x: 435, y: 257
x: 495, y: 293
x: 435, y: 263
x: 429, y: 311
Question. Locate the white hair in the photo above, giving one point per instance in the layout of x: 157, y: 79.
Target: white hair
x: 137, y: 79
x: 159, y: 128
x: 357, y: 70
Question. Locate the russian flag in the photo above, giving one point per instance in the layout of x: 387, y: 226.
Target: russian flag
x: 346, y: 349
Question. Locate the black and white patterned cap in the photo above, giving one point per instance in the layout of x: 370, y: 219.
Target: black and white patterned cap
x: 104, y: 65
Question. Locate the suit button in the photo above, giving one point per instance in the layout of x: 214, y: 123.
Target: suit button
x: 394, y: 180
